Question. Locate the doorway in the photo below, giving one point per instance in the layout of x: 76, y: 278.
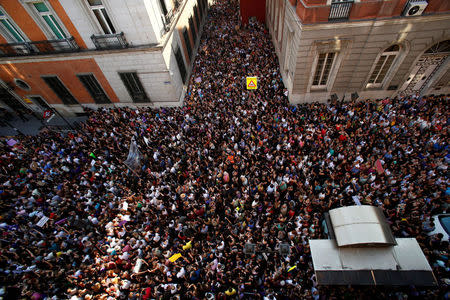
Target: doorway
x: 8, y: 99
x: 428, y: 64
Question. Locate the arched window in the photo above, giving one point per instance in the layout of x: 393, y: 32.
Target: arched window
x: 442, y: 47
x: 382, y: 66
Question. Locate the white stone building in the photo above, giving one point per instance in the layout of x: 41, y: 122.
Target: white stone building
x: 372, y: 49
x: 70, y: 54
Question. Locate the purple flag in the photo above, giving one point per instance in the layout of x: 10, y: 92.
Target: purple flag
x: 61, y: 221
x: 11, y: 142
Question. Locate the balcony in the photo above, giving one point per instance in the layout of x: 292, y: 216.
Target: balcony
x: 170, y: 16
x: 177, y: 4
x: 109, y: 41
x: 39, y: 47
x: 322, y: 11
x: 340, y: 11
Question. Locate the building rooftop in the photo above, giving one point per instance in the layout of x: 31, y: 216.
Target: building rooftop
x: 363, y: 251
x: 361, y: 225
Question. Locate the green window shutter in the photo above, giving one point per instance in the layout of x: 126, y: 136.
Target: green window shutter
x: 12, y: 30
x: 59, y: 27
x: 52, y: 27
x: 41, y: 7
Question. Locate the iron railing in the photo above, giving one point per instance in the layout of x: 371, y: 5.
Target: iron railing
x: 340, y: 11
x: 177, y: 3
x: 109, y: 41
x: 170, y: 16
x: 39, y: 47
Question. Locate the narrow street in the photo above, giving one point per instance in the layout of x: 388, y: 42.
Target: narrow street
x: 220, y: 198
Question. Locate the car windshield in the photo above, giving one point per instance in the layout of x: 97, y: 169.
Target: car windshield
x: 445, y: 222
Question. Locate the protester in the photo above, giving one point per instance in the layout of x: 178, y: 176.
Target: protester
x: 229, y: 167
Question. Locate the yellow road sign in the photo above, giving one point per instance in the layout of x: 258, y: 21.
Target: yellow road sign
x: 252, y: 83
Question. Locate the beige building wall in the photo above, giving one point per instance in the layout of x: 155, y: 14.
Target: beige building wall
x: 358, y: 45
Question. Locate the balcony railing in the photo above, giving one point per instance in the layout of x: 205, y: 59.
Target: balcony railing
x: 340, y: 10
x: 177, y: 3
x: 170, y: 16
x: 39, y: 47
x: 109, y: 41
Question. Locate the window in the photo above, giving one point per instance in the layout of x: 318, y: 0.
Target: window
x: 9, y: 29
x: 197, y: 18
x: 10, y: 100
x: 180, y: 63
x: 192, y: 27
x: 187, y: 41
x: 329, y: 2
x: 287, y: 52
x: 323, y: 69
x: 163, y: 7
x: 200, y: 3
x: 39, y: 102
x: 51, y: 23
x: 94, y: 88
x: 445, y: 223
x: 441, y: 47
x: 22, y: 84
x: 134, y: 86
x: 203, y: 5
x: 340, y: 10
x: 60, y: 90
x: 382, y: 66
x: 102, y: 17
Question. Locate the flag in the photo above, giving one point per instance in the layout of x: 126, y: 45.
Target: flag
x: 292, y: 268
x: 134, y: 159
x: 174, y: 257
x: 138, y: 265
x: 379, y: 167
x: 42, y: 221
x: 11, y: 142
x: 61, y: 221
x: 188, y: 245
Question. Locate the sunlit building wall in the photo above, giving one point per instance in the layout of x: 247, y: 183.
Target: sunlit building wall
x: 71, y: 54
x: 368, y: 48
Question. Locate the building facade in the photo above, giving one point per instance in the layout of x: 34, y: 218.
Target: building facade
x: 71, y: 54
x: 252, y: 8
x: 369, y: 48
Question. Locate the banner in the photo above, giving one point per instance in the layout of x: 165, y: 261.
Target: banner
x: 138, y: 266
x: 174, y: 257
x: 187, y: 246
x: 61, y: 221
x: 42, y: 221
x: 11, y: 142
x: 379, y: 167
x: 134, y: 159
x: 252, y: 83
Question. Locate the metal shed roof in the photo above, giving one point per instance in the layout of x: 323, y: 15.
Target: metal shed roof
x: 361, y: 225
x: 402, y: 264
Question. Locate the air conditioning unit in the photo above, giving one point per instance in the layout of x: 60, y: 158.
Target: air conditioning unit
x: 415, y: 8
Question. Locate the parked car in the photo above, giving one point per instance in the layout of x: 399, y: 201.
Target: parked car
x: 441, y: 225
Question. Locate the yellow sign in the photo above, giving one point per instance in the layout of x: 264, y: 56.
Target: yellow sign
x: 252, y: 83
x: 27, y: 100
x: 174, y: 257
x: 187, y: 246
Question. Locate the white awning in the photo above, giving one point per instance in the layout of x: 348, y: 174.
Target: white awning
x: 402, y: 264
x: 360, y: 225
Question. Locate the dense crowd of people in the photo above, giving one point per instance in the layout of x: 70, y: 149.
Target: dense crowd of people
x: 229, y: 167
